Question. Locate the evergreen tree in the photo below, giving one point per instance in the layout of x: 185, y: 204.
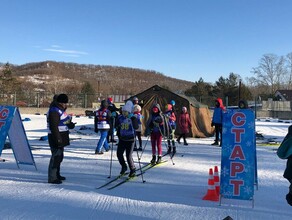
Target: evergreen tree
x: 201, y: 91
x: 8, y: 84
x: 89, y: 94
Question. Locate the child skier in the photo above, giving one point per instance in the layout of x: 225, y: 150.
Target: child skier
x: 126, y: 125
x: 137, y: 113
x: 169, y: 114
x: 154, y: 128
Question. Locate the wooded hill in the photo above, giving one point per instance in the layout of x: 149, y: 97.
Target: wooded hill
x: 56, y: 77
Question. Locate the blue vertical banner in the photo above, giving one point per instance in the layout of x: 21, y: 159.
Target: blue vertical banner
x: 238, y: 155
x: 6, y: 116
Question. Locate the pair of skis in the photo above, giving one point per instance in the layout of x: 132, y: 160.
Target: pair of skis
x: 143, y: 169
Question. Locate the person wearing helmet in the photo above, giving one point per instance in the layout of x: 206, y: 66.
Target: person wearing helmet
x: 169, y: 114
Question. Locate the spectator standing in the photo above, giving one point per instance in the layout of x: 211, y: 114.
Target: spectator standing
x: 58, y: 123
x: 217, y: 120
x: 184, y: 123
x: 114, y: 115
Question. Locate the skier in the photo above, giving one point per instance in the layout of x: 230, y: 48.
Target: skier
x: 126, y: 125
x: 137, y: 113
x: 154, y: 128
x: 169, y: 114
x: 102, y: 125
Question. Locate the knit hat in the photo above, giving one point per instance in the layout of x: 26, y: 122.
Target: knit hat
x: 137, y: 108
x: 62, y: 98
x: 128, y: 107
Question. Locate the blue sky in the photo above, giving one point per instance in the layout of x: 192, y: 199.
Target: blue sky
x: 184, y: 39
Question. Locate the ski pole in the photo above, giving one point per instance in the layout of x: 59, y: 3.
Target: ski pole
x: 166, y: 145
x: 111, y: 161
x: 143, y: 181
x: 171, y: 158
x: 144, y: 147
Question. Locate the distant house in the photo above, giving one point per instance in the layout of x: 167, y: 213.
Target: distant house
x: 283, y: 95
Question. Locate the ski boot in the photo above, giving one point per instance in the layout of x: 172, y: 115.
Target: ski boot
x: 153, y: 159
x: 123, y: 170
x: 132, y: 173
x: 158, y: 160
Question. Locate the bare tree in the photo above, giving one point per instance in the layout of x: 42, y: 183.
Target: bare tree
x: 271, y: 71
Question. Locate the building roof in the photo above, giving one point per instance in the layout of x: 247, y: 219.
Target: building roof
x: 284, y: 95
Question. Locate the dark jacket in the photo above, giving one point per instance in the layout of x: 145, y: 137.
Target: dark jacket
x: 155, y: 122
x: 126, y: 127
x: 58, y: 120
x: 285, y: 152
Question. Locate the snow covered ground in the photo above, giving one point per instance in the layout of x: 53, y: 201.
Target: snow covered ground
x: 170, y: 191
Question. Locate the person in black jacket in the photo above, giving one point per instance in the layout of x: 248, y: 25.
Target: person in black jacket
x: 58, y: 123
x: 126, y: 125
x: 114, y: 115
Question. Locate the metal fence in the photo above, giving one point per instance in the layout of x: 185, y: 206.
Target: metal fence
x: 43, y: 99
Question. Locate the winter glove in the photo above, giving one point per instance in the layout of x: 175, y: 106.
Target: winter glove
x: 147, y: 132
x: 71, y: 125
x: 59, y: 143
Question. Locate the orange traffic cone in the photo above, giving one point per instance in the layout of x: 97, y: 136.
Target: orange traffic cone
x: 211, y: 193
x: 216, y: 180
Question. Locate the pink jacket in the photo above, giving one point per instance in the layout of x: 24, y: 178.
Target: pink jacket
x: 184, y: 122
